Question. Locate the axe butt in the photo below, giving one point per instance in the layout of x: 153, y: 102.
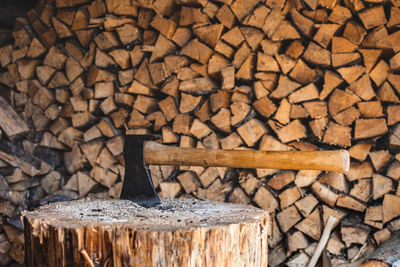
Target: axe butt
x: 335, y: 160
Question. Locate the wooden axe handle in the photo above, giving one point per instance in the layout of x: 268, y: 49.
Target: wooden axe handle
x: 335, y: 160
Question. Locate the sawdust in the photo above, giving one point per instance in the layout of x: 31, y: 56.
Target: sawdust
x: 172, y: 214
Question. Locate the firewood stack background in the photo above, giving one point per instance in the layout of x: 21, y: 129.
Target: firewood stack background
x: 232, y: 74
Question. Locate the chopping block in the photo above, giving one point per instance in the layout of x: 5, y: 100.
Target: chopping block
x: 177, y: 232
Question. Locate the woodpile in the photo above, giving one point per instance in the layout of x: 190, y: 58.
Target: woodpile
x: 232, y: 74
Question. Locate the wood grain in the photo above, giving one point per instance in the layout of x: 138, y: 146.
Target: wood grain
x: 337, y: 161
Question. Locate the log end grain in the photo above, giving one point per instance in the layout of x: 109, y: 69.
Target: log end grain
x: 184, y: 231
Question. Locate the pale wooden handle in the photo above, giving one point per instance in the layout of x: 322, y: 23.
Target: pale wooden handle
x: 322, y: 241
x: 335, y: 160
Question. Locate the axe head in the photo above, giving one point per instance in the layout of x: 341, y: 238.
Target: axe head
x: 138, y: 186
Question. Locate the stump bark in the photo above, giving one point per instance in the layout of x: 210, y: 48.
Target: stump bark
x: 179, y: 232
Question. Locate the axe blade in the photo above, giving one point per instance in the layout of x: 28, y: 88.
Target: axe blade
x: 138, y: 186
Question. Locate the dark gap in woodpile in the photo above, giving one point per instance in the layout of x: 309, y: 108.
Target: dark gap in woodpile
x: 233, y: 74
x: 9, y: 11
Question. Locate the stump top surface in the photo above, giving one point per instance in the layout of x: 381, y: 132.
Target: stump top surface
x: 172, y: 214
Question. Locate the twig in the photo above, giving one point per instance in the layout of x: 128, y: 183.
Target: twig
x: 88, y: 260
x: 322, y: 241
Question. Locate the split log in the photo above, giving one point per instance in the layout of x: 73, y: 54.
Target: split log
x: 10, y: 122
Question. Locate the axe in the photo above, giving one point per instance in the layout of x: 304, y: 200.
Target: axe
x: 141, y: 150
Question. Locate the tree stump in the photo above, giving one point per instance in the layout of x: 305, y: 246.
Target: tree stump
x: 179, y: 232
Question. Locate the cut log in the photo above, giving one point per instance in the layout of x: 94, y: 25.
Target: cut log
x: 203, y: 113
x: 306, y: 93
x: 266, y: 63
x: 197, y: 51
x: 378, y: 38
x: 325, y: 34
x: 331, y: 81
x: 6, y: 55
x: 245, y: 71
x: 342, y: 45
x: 226, y: 16
x: 289, y: 196
x: 380, y: 158
x: 303, y: 73
x: 264, y: 106
x: 296, y: 241
x: 285, y: 87
x: 390, y: 207
x: 281, y: 180
x: 219, y: 100
x: 291, y: 132
x: 373, y: 17
x: 381, y: 186
x: 283, y: 113
x: 304, y: 24
x: 379, y: 73
x: 350, y: 203
x: 370, y: 128
x: 360, y: 151
x: 386, y: 93
x: 55, y: 58
x: 344, y: 59
x: 348, y: 116
x: 198, y: 86
x: 188, y: 102
x: 335, y: 180
x: 251, y: 131
x: 326, y: 195
x: 371, y: 109
x: 99, y: 213
x: 306, y: 205
x: 36, y: 49
x: 311, y: 225
x: 362, y: 190
x: 285, y: 62
x: 158, y: 118
x: 354, y: 32
x: 29, y: 164
x: 317, y: 55
x: 209, y: 34
x: 121, y: 57
x: 359, y: 171
x: 182, y: 123
x: 295, y: 49
x: 336, y: 134
x: 395, y: 62
x: 222, y: 120
x: 353, y: 235
x: 285, y: 31
x: 288, y: 218
x: 168, y: 107
x: 306, y: 177
x: 10, y: 122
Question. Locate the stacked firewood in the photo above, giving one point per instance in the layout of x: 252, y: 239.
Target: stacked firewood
x: 232, y: 74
